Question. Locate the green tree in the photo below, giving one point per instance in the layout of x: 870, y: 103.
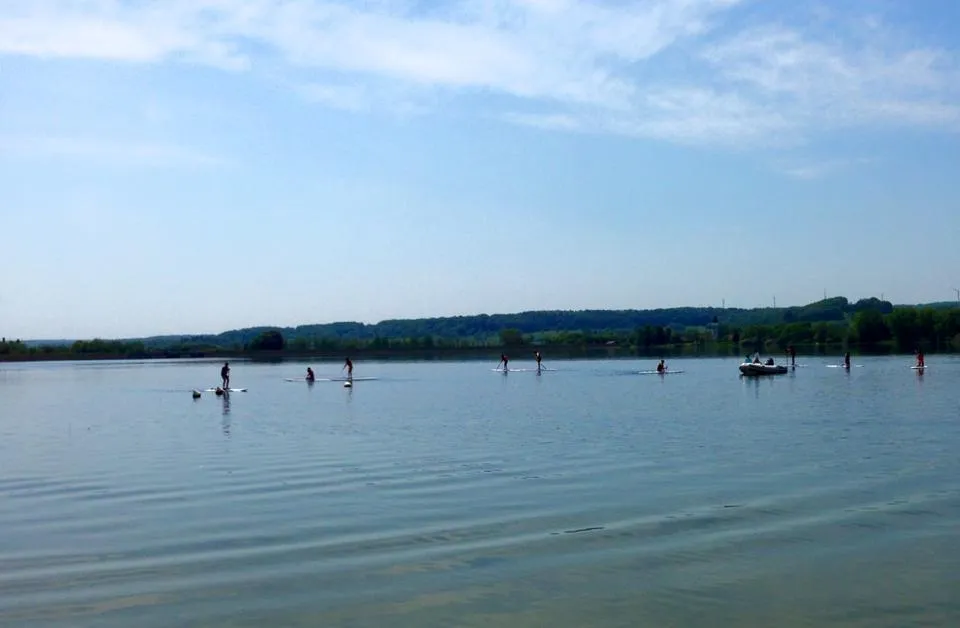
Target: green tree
x: 270, y: 340
x: 904, y: 326
x: 299, y: 344
x: 870, y: 327
x: 927, y: 324
x: 948, y: 324
x: 511, y: 337
x: 821, y: 333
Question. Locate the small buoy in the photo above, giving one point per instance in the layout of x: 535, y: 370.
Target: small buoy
x: 196, y: 394
x: 347, y: 385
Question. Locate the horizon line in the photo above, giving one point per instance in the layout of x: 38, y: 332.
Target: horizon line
x: 422, y: 318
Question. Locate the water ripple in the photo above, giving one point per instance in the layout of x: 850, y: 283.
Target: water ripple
x: 450, y: 498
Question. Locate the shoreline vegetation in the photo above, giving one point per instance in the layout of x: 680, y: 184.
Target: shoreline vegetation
x: 827, y: 327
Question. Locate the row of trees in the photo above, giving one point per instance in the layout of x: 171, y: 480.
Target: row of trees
x: 901, y: 327
x: 904, y: 327
x: 486, y: 328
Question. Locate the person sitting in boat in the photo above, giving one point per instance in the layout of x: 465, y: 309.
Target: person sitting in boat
x: 769, y: 361
x: 756, y: 359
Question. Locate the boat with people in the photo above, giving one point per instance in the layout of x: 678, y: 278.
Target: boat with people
x: 756, y: 367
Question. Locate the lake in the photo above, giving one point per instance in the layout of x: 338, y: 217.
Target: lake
x: 447, y: 494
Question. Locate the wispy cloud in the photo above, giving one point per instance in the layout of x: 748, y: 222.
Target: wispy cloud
x: 817, y: 169
x: 820, y: 82
x: 679, y: 70
x: 107, y: 151
x: 346, y: 97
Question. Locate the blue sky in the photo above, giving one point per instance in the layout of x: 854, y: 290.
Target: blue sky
x: 199, y: 165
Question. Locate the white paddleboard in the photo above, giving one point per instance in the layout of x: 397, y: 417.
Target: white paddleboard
x: 522, y: 370
x: 660, y: 372
x: 227, y: 390
x: 330, y: 379
x: 920, y: 368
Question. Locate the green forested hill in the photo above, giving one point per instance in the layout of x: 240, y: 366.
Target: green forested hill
x: 834, y: 321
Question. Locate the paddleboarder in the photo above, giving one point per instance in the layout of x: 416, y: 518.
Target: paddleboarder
x: 349, y: 366
x: 225, y: 375
x: 920, y: 363
x: 503, y: 360
x: 310, y: 376
x: 537, y: 356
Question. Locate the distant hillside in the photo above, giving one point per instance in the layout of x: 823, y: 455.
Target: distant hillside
x: 831, y: 322
x: 484, y: 326
x: 480, y: 327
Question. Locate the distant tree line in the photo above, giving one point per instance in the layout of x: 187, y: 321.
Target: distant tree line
x: 833, y: 322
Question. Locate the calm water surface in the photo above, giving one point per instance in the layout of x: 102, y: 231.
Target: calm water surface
x: 445, y: 494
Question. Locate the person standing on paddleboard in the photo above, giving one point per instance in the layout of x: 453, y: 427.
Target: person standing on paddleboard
x: 225, y: 375
x: 349, y: 366
x: 503, y: 360
x: 310, y: 376
x: 792, y: 351
x: 846, y: 360
x: 536, y: 354
x: 920, y: 358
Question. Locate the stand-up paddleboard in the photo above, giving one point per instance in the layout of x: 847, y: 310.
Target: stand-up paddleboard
x: 227, y: 390
x: 841, y: 366
x: 919, y: 368
x: 668, y: 372
x: 330, y: 379
x: 522, y: 370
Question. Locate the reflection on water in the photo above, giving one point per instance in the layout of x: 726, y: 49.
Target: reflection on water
x: 440, y: 497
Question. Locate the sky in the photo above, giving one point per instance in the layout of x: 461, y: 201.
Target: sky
x: 193, y: 166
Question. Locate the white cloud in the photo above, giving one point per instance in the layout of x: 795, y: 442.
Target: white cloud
x: 820, y: 83
x: 812, y: 170
x: 346, y: 97
x: 561, y: 50
x: 106, y: 151
x: 679, y: 70
x: 550, y: 121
